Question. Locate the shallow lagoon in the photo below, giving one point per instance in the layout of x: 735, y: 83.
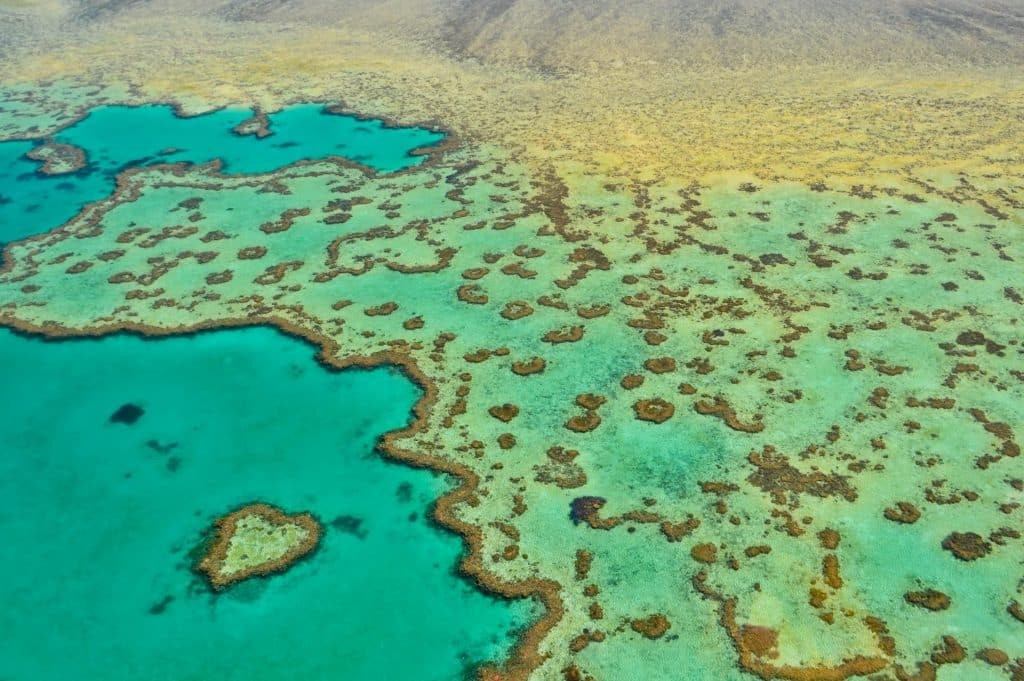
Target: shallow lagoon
x: 115, y: 138
x: 100, y: 518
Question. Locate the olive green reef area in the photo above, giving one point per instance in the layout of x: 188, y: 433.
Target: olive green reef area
x: 723, y: 360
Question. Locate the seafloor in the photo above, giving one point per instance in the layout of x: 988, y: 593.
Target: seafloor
x: 726, y: 428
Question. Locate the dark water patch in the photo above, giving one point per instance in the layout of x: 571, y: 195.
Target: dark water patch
x: 159, y: 607
x: 127, y: 414
x: 349, y: 524
x: 161, y: 448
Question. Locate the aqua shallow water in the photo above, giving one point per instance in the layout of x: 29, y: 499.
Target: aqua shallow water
x: 99, y: 518
x: 118, y: 137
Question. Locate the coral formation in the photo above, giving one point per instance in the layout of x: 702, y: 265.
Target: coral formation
x: 257, y: 540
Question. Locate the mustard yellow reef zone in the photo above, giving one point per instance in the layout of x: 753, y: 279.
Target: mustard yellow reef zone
x: 728, y: 362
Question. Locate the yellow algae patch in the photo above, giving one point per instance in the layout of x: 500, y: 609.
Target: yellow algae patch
x: 257, y: 540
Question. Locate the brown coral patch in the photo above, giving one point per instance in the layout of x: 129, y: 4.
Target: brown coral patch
x: 721, y: 409
x: 778, y: 477
x: 477, y: 356
x: 653, y: 627
x: 631, y: 381
x: 285, y: 222
x: 505, y: 412
x: 830, y: 571
x: 760, y: 641
x: 660, y: 365
x: 903, y: 512
x: 337, y: 218
x: 655, y: 410
x: 676, y: 531
x: 573, y: 673
x: 472, y: 294
x: 531, y: 366
x: 563, y: 475
x: 718, y: 488
x: 584, y: 559
x: 516, y: 309
x: 252, y: 252
x: 652, y: 337
x: 475, y: 273
x: 219, y: 277
x: 966, y: 546
x: 564, y: 335
x: 584, y: 423
x: 929, y: 599
x: 258, y: 125
x: 562, y: 455
x: 382, y: 310
x: 582, y: 509
x: 829, y: 539
x: 993, y: 656
x: 444, y: 258
x: 590, y: 400
x: 57, y: 158
x: 79, y: 267
x: 517, y: 269
x: 949, y: 652
x: 593, y: 311
x: 704, y: 553
x: 275, y: 273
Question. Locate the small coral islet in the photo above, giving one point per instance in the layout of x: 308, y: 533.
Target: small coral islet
x: 257, y: 540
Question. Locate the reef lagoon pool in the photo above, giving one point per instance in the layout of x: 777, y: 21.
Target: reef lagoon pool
x: 111, y: 139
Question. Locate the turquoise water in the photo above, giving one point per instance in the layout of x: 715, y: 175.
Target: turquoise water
x: 118, y: 137
x: 99, y: 518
